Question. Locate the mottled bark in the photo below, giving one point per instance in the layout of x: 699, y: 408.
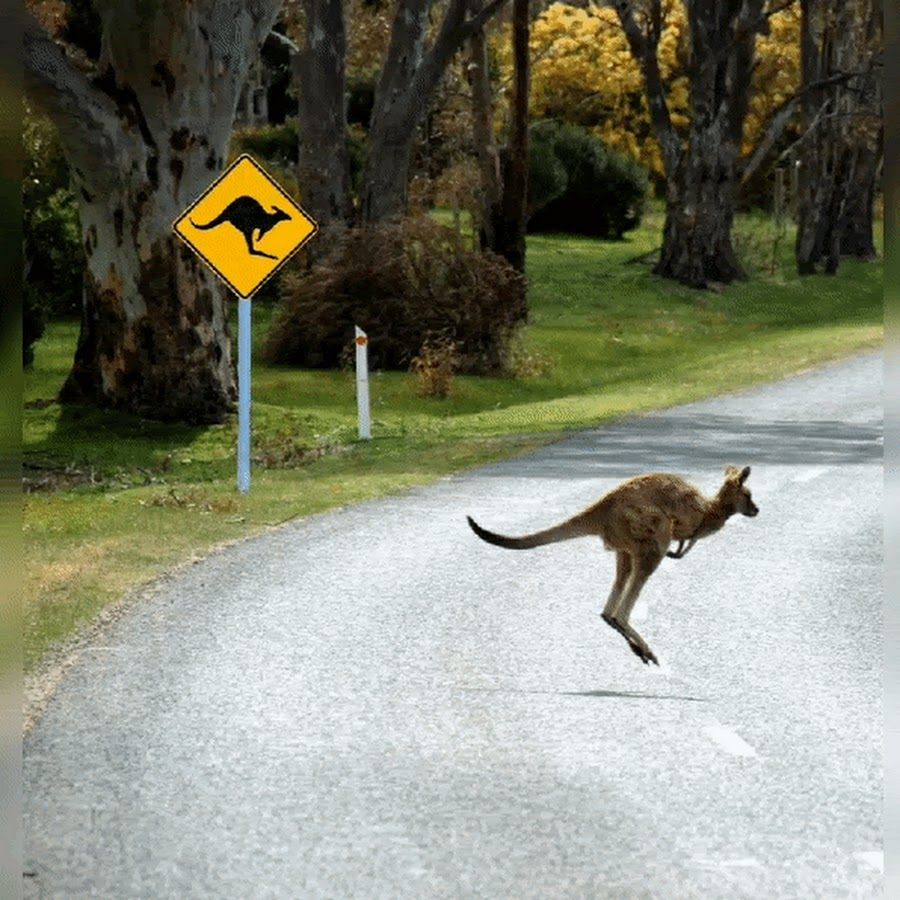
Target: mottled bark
x: 697, y: 246
x: 145, y: 131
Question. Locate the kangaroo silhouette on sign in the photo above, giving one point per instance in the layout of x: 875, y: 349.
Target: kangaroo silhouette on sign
x: 248, y: 216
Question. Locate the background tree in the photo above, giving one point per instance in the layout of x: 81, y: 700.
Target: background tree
x: 504, y: 177
x: 841, y: 152
x: 585, y: 74
x: 406, y: 88
x: 701, y: 179
x: 144, y: 109
x: 318, y: 69
x: 487, y: 150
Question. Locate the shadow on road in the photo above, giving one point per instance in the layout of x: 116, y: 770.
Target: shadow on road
x: 638, y: 695
x: 673, y: 442
x: 626, y: 695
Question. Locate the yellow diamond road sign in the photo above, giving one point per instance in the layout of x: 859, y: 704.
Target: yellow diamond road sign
x: 245, y: 226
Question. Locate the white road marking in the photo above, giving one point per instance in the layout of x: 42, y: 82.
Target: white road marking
x: 810, y: 473
x: 872, y: 858
x: 728, y: 740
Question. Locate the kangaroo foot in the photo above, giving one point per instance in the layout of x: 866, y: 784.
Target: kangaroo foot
x: 638, y: 647
x: 644, y: 652
x: 638, y: 651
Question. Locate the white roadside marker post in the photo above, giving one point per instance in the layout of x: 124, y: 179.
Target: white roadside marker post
x: 362, y: 384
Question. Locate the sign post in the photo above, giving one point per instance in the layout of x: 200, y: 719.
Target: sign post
x: 362, y: 384
x: 243, y: 447
x: 245, y: 227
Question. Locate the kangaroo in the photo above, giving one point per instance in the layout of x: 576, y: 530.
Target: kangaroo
x: 638, y: 521
x: 247, y: 215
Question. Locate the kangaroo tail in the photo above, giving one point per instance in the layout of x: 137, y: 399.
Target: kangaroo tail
x: 564, y: 532
x: 217, y: 221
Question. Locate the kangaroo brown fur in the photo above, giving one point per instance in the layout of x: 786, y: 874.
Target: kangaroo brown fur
x: 638, y: 521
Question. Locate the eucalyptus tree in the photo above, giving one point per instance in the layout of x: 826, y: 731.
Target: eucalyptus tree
x: 145, y: 114
x: 840, y: 155
x: 424, y: 38
x: 701, y: 176
x: 406, y: 88
x: 503, y: 178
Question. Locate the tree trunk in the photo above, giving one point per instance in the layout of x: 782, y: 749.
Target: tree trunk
x: 319, y: 73
x: 697, y: 247
x: 145, y: 133
x: 701, y: 180
x: 857, y: 239
x: 842, y: 143
x: 404, y: 93
x: 509, y: 228
x: 486, y: 150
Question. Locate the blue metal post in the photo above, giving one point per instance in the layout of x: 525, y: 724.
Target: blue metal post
x: 243, y: 449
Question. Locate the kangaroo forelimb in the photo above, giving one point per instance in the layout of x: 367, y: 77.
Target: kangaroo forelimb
x: 682, y: 550
x: 678, y: 553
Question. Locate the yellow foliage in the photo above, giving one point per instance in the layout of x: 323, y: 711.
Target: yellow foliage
x: 777, y: 74
x: 583, y: 72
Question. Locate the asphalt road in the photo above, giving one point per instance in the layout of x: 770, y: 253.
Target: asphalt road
x: 374, y: 703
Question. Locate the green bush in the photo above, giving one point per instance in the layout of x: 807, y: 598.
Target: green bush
x: 406, y: 285
x: 51, y: 235
x: 54, y: 259
x: 34, y: 323
x: 604, y: 192
x: 276, y: 144
x: 547, y: 179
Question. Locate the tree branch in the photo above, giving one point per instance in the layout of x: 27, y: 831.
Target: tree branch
x: 785, y: 113
x: 455, y: 30
x: 85, y: 116
x: 643, y: 48
x: 477, y: 22
x: 276, y: 37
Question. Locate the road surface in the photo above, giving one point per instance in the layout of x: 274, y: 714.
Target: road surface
x: 373, y: 703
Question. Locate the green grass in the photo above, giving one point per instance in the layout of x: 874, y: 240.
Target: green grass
x: 133, y: 499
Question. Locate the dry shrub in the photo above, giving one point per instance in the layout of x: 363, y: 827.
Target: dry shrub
x: 435, y: 366
x: 402, y: 284
x: 520, y: 362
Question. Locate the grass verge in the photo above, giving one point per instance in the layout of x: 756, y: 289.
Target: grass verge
x: 115, y: 501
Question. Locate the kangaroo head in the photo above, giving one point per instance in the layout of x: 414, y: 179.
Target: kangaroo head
x: 734, y: 494
x: 278, y: 215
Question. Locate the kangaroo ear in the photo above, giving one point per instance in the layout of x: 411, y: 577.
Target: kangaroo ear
x: 732, y: 472
x: 745, y: 472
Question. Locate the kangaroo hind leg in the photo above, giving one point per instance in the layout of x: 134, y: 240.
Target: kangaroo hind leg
x: 611, y: 615
x: 644, y: 564
x: 623, y: 571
